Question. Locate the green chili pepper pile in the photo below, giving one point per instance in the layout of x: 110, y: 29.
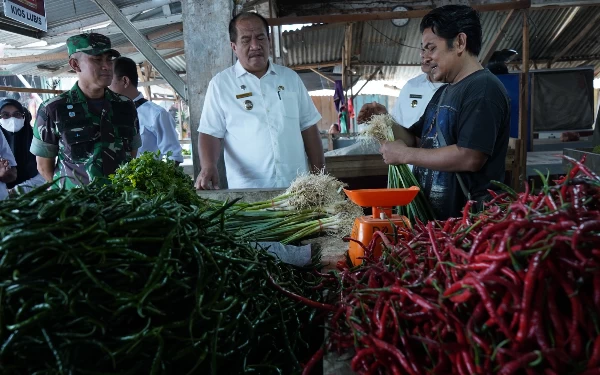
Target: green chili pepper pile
x: 93, y: 281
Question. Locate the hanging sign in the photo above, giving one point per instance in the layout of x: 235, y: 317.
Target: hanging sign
x: 29, y: 12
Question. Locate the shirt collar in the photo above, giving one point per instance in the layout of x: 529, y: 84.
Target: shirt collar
x: 77, y: 95
x: 240, y: 71
x: 140, y: 95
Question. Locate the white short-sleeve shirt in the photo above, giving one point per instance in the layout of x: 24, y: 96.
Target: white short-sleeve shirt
x: 157, y: 130
x: 413, y: 99
x: 261, y: 121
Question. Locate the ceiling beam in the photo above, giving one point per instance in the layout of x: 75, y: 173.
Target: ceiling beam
x: 142, y: 44
x: 588, y: 58
x: 90, y: 21
x: 326, y: 64
x: 556, y: 4
x: 359, y: 17
x: 323, y: 75
x: 114, y: 29
x: 592, y: 24
x: 124, y: 49
x: 5, y: 26
x: 497, y: 38
x: 31, y: 90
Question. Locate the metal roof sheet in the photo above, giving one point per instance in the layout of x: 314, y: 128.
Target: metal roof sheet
x: 381, y: 43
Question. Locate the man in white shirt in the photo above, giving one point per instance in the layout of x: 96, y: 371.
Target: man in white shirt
x: 8, y: 170
x: 411, y: 102
x: 157, y: 127
x: 263, y: 114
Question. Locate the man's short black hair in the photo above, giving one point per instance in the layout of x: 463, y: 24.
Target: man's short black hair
x: 450, y: 20
x: 243, y: 16
x: 126, y: 67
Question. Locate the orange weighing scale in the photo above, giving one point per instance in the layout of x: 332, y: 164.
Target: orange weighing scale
x: 381, y: 201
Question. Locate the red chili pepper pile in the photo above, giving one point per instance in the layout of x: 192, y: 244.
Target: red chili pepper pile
x: 512, y: 290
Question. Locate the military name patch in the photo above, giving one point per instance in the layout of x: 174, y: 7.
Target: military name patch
x: 244, y: 95
x: 416, y: 96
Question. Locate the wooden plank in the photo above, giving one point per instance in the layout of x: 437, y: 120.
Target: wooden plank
x: 124, y: 49
x: 323, y: 75
x: 373, y: 16
x: 31, y: 90
x: 497, y: 38
x: 346, y: 55
x: 523, y: 106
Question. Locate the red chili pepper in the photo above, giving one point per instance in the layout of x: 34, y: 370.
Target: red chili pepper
x: 434, y: 246
x: 597, y: 290
x: 527, y: 296
x: 594, y: 360
x: 576, y: 347
x: 586, y: 171
x: 485, y: 233
x: 395, y: 353
x: 551, y: 203
x: 313, y: 361
x: 358, y: 360
x: 557, y: 321
x: 489, y: 305
x: 511, y: 275
x: 418, y: 300
x: 524, y: 360
x: 306, y: 301
x: 466, y: 212
x: 511, y: 288
x: 413, y: 361
x: 586, y: 227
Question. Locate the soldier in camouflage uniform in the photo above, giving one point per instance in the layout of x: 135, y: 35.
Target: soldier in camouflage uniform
x: 91, y: 129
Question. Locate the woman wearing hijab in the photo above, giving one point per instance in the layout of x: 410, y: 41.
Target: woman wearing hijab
x: 15, y: 122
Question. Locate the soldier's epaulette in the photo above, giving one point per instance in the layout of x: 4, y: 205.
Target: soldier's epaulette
x: 113, y: 96
x: 58, y: 97
x: 122, y: 98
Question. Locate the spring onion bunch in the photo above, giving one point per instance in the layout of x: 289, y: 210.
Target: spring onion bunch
x: 313, y: 204
x: 399, y: 176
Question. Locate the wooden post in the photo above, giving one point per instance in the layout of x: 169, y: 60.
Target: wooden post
x: 347, y: 56
x: 210, y: 56
x: 144, y: 78
x: 148, y: 73
x: 523, y: 107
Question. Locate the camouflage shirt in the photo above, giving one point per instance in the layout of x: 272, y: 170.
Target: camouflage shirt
x: 89, y: 144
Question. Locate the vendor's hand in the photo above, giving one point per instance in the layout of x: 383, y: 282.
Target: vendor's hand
x: 208, y: 179
x: 368, y: 110
x: 4, y: 163
x: 394, y: 152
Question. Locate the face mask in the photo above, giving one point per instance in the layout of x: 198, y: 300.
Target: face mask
x: 12, y: 124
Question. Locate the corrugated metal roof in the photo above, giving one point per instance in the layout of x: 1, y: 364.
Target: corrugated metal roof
x: 551, y: 30
x: 60, y: 12
x: 381, y: 43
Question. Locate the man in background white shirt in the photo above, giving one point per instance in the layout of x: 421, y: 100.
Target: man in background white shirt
x: 414, y: 97
x: 8, y: 170
x: 411, y: 102
x: 263, y: 114
x: 157, y: 127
